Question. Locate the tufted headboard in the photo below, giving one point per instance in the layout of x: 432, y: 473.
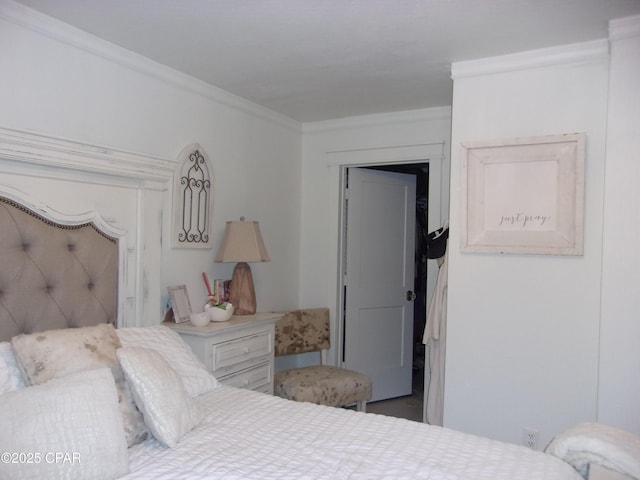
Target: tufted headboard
x: 53, y: 275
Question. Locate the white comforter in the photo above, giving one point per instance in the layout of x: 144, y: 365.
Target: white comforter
x: 249, y: 435
x: 588, y: 443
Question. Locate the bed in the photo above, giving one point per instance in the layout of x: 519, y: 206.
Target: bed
x: 80, y: 398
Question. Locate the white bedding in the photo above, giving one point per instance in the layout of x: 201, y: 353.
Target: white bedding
x: 590, y: 443
x: 249, y: 435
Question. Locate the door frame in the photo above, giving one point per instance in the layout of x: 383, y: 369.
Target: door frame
x: 338, y: 162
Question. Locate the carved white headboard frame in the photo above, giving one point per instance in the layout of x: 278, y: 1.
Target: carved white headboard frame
x: 25, y: 155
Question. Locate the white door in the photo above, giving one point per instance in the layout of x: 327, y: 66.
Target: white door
x: 379, y: 276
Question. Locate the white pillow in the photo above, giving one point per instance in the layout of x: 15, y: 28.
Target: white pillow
x: 10, y: 376
x: 167, y: 408
x: 69, y: 427
x: 197, y: 380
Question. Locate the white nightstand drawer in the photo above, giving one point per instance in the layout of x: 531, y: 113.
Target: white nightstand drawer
x: 255, y: 378
x: 238, y: 352
x: 226, y: 355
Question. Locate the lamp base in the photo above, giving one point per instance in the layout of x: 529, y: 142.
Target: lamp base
x: 242, y: 295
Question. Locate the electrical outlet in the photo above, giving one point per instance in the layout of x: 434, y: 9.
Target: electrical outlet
x: 530, y: 438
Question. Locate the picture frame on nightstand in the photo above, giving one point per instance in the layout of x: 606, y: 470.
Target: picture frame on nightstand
x: 180, y: 303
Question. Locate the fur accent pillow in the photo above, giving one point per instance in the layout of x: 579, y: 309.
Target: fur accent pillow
x: 57, y: 353
x: 69, y: 427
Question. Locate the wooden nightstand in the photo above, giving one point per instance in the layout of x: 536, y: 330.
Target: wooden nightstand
x: 239, y: 352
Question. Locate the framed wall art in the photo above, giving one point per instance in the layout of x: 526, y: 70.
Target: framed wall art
x: 524, y: 195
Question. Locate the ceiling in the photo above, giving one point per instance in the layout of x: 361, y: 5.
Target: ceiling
x: 322, y: 59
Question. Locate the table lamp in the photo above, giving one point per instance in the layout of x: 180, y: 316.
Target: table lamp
x: 242, y: 243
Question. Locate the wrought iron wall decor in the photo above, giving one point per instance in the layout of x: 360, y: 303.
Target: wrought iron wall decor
x: 192, y: 199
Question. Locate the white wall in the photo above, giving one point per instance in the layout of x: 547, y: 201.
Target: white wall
x: 619, y: 388
x: 62, y: 82
x: 523, y: 337
x: 523, y: 330
x: 403, y: 137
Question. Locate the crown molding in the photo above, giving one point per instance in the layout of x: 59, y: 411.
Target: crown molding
x: 57, y: 30
x: 39, y: 149
x: 622, y: 28
x: 387, y: 154
x: 575, y: 54
x: 362, y: 121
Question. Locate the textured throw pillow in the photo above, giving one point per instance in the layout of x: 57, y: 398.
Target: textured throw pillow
x: 197, y: 380
x: 56, y: 353
x: 168, y: 410
x: 10, y: 376
x: 69, y: 427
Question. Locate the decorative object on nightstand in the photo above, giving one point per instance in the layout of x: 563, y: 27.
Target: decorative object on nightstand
x: 214, y: 310
x: 200, y: 319
x: 219, y: 313
x: 180, y: 303
x: 242, y: 243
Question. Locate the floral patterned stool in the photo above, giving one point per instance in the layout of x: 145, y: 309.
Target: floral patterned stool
x: 307, y: 330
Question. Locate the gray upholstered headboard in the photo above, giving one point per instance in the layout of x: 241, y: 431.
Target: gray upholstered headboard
x: 53, y: 275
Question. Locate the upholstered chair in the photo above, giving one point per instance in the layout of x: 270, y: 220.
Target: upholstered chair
x: 307, y: 330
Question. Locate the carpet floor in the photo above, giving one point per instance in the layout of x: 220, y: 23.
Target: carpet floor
x: 409, y: 407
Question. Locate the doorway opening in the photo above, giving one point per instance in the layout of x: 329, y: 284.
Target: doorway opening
x: 412, y: 406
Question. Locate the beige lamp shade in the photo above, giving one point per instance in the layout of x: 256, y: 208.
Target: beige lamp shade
x: 242, y: 243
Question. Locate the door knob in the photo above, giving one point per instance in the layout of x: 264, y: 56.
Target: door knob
x: 410, y: 295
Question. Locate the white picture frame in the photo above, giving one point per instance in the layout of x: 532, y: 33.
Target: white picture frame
x: 523, y: 195
x: 180, y: 303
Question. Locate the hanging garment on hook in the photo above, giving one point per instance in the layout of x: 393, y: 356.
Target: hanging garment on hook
x: 435, y: 337
x: 437, y: 242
